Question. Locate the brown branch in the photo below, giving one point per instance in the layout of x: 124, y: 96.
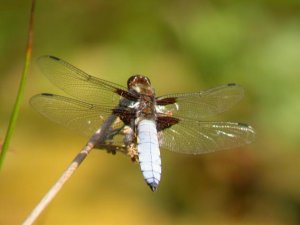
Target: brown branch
x: 97, y: 139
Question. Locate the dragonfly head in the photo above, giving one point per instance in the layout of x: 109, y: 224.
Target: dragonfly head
x: 140, y: 84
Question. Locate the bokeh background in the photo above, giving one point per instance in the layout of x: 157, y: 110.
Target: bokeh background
x: 182, y: 46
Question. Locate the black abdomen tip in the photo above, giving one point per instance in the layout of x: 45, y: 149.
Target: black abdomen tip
x: 153, y: 186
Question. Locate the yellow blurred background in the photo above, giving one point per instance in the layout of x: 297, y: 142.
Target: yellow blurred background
x: 183, y: 46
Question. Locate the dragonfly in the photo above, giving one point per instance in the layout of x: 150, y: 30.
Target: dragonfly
x: 145, y: 122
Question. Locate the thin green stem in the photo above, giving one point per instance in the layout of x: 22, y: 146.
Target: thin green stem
x: 19, y: 98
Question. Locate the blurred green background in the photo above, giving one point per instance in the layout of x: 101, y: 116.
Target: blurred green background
x: 182, y: 46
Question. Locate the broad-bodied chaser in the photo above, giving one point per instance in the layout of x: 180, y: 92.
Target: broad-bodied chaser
x: 145, y: 123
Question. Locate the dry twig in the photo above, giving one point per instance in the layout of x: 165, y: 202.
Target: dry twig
x: 98, y: 138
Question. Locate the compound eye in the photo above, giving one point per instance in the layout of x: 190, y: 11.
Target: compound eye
x: 138, y: 79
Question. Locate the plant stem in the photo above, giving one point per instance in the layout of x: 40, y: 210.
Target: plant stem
x: 98, y: 137
x: 19, y: 98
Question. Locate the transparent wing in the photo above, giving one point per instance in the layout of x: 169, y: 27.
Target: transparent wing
x: 79, y: 84
x: 74, y: 114
x: 194, y: 137
x: 200, y: 105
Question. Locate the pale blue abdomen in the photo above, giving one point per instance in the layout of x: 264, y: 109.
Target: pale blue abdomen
x: 149, y: 153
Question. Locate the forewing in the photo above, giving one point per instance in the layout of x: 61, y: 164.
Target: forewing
x: 200, y: 105
x: 74, y: 114
x: 194, y: 137
x: 79, y: 84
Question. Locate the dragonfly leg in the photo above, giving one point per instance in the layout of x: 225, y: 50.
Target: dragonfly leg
x: 130, y: 142
x: 108, y: 144
x: 132, y: 152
